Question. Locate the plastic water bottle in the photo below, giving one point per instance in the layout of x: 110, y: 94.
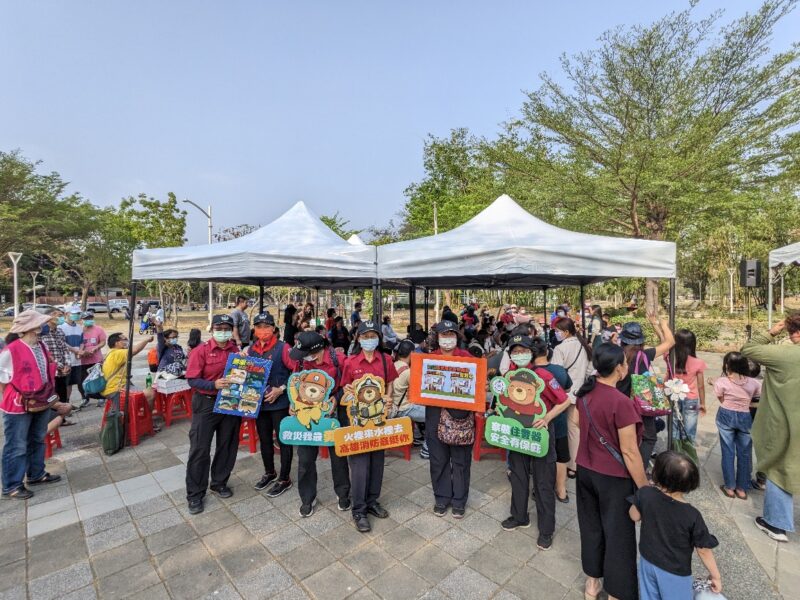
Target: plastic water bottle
x: 148, y: 381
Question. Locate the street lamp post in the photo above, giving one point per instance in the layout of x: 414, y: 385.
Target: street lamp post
x: 34, y: 275
x: 210, y: 285
x: 15, y: 256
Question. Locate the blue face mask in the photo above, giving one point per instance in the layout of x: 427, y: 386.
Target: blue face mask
x: 60, y: 321
x: 173, y: 341
x: 369, y: 344
x: 45, y: 329
x: 88, y: 322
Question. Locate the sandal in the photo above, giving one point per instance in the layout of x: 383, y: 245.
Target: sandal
x: 571, y: 474
x: 564, y: 500
x: 727, y: 492
x: 740, y: 494
x: 46, y: 478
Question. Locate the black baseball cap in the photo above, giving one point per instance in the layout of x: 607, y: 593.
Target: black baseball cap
x: 632, y: 334
x: 520, y: 340
x: 307, y: 342
x: 365, y: 326
x: 445, y: 326
x: 265, y: 318
x: 222, y: 320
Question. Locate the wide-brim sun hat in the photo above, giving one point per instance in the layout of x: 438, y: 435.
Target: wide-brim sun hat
x: 28, y: 320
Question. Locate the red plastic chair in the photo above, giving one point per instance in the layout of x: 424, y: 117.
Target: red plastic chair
x: 177, y: 405
x: 248, y: 435
x: 138, y: 420
x: 406, y: 450
x: 480, y: 448
x: 51, y: 442
x: 324, y: 452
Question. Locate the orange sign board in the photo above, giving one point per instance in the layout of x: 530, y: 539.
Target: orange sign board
x: 393, y: 433
x: 448, y: 381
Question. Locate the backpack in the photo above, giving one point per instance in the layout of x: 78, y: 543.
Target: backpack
x: 152, y: 359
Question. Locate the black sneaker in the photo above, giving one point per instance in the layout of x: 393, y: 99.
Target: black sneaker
x: 543, y: 542
x: 378, y: 511
x: 344, y: 504
x: 46, y: 478
x: 223, y: 491
x: 362, y: 523
x: 265, y: 480
x: 440, y: 510
x: 278, y: 488
x: 779, y: 535
x: 196, y: 506
x: 511, y: 523
x: 21, y: 493
x: 306, y: 510
x: 424, y: 454
x: 757, y: 485
x: 458, y: 513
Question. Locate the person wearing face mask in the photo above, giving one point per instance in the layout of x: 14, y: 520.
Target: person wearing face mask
x: 274, y: 406
x: 312, y: 352
x: 205, y: 375
x: 542, y: 469
x: 94, y: 338
x: 114, y: 366
x: 53, y: 337
x: 450, y: 465
x: 575, y: 355
x: 610, y: 469
x: 73, y: 335
x: 26, y: 371
x: 366, y: 469
x: 171, y: 357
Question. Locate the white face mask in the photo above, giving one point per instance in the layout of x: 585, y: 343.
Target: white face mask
x: 447, y: 343
x: 522, y: 359
x: 369, y: 344
x: 559, y: 335
x: 222, y: 336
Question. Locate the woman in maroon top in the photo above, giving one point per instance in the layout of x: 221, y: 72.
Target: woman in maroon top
x: 609, y: 470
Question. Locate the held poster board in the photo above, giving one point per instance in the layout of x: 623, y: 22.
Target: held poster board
x: 310, y: 407
x: 249, y: 381
x: 369, y: 428
x: 519, y: 405
x: 448, y: 381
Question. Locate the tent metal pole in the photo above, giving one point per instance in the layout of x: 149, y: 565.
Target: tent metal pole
x: 317, y: 311
x: 412, y: 307
x: 583, y: 313
x: 544, y: 308
x: 376, y: 301
x: 129, y: 363
x: 671, y: 356
x: 769, y: 299
x: 261, y: 297
x: 427, y: 302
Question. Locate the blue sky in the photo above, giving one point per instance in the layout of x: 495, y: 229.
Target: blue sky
x: 251, y: 106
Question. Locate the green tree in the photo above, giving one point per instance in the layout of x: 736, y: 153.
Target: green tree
x: 339, y: 225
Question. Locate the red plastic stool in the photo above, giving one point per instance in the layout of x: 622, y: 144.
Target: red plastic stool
x: 177, y: 405
x: 480, y: 448
x: 248, y: 434
x: 51, y: 442
x: 138, y: 420
x: 324, y: 452
x: 406, y: 450
x: 160, y: 403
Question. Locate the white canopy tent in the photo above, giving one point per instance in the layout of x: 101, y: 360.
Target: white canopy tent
x: 355, y: 240
x: 780, y: 258
x: 297, y: 248
x: 504, y: 246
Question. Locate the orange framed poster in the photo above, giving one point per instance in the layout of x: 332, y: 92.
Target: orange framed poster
x: 448, y: 381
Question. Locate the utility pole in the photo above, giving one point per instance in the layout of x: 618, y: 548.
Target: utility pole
x: 436, y: 314
x: 210, y: 241
x: 15, y: 256
x: 34, y: 275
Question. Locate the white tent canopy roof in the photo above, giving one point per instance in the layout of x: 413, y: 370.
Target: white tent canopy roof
x: 505, y: 246
x: 295, y: 249
x: 788, y: 255
x: 355, y: 240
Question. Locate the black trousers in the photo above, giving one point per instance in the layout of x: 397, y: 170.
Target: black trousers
x: 543, y: 471
x: 366, y: 479
x: 205, y: 425
x: 649, y: 437
x: 61, y: 388
x: 608, y: 536
x: 307, y: 468
x: 269, y: 421
x: 450, y: 465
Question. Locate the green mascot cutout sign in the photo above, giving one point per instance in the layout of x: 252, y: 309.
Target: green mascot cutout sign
x: 519, y: 405
x: 310, y: 407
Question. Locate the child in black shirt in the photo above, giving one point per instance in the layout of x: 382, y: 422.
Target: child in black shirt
x: 671, y: 530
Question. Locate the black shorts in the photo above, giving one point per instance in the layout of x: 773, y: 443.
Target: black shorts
x: 74, y: 377
x: 562, y: 450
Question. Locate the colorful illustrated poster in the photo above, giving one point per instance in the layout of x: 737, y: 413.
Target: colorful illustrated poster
x: 448, y: 381
x: 519, y: 405
x: 369, y: 429
x: 310, y: 405
x: 249, y: 381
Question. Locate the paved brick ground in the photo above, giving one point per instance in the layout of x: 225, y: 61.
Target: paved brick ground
x: 117, y: 527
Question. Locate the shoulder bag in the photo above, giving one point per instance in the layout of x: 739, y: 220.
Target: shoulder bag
x: 95, y: 381
x: 456, y: 432
x: 600, y: 438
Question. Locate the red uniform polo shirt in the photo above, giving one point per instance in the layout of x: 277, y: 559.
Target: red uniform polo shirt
x: 357, y: 366
x: 553, y: 393
x: 327, y: 366
x: 207, y: 362
x: 456, y: 352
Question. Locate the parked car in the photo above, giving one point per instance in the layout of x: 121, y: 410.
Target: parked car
x: 42, y: 308
x: 8, y: 312
x: 97, y: 307
x: 118, y: 305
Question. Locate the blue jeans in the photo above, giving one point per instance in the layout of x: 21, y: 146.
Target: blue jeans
x: 778, y: 507
x: 657, y: 584
x: 735, y: 443
x: 23, y: 452
x: 415, y: 412
x: 690, y: 411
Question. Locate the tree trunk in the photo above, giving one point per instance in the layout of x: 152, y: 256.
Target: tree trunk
x: 651, y: 301
x: 110, y: 314
x: 84, y: 294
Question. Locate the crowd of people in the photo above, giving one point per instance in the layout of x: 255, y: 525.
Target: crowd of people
x: 599, y: 437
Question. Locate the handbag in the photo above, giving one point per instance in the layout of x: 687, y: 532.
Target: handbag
x: 456, y: 432
x: 647, y: 390
x: 95, y: 381
x: 112, y: 434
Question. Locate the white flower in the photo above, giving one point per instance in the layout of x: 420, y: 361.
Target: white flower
x: 676, y: 389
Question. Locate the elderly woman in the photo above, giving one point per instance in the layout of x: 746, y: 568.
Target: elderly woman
x: 27, y: 384
x: 776, y: 429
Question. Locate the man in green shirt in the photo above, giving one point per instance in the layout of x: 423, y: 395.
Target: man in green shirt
x: 776, y: 430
